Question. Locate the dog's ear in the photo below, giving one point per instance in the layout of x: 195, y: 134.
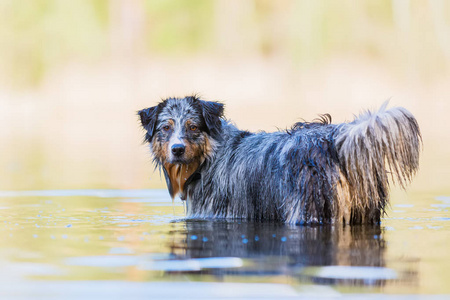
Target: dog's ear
x: 148, y: 120
x: 212, y: 112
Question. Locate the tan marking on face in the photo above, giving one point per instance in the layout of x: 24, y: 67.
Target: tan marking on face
x: 193, y: 152
x: 208, y: 147
x: 160, y: 150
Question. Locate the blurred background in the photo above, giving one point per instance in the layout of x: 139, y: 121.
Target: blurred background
x: 73, y: 74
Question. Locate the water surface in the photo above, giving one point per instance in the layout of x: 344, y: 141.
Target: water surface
x: 135, y: 244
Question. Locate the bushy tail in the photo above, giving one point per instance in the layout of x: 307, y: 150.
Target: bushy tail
x: 370, y: 148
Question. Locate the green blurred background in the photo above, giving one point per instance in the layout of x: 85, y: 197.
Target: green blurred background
x: 74, y: 73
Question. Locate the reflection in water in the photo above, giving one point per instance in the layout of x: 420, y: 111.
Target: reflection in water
x: 130, y: 236
x: 298, y: 251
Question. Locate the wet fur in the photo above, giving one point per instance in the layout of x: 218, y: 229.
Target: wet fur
x: 315, y: 172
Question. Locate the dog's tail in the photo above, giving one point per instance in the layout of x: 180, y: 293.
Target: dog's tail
x: 370, y: 148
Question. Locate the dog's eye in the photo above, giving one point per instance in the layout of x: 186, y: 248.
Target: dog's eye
x: 193, y: 127
x: 166, y: 128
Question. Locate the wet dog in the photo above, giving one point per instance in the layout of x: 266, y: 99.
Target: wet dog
x: 315, y: 172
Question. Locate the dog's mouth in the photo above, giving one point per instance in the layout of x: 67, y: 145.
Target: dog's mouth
x: 179, y: 161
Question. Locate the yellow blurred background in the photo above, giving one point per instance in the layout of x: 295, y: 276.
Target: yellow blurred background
x: 73, y: 74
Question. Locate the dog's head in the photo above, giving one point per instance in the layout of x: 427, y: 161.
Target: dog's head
x: 183, y: 133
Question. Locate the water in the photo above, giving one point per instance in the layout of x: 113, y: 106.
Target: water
x: 133, y: 244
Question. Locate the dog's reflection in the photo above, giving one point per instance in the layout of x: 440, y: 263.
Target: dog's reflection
x: 278, y: 249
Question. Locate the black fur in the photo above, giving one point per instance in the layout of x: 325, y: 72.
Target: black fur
x: 148, y: 120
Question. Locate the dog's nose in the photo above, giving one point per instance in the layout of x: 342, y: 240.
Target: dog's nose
x: 178, y: 149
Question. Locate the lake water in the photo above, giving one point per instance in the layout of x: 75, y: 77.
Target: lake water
x: 134, y: 244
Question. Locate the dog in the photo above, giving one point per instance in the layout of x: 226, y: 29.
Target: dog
x: 313, y: 173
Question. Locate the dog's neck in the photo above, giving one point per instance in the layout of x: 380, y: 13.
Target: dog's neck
x: 177, y: 175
